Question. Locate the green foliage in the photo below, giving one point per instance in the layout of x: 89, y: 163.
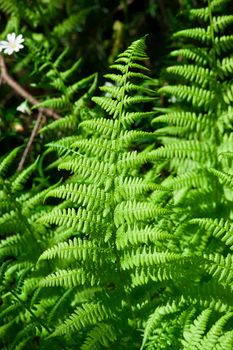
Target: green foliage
x: 130, y: 245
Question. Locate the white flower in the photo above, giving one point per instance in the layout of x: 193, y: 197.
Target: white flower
x: 24, y: 108
x: 173, y: 99
x: 13, y: 43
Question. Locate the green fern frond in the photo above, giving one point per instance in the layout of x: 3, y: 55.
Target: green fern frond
x: 86, y: 316
x: 128, y: 118
x: 135, y: 235
x: 197, y: 151
x: 192, y: 73
x: 68, y: 278
x: 193, y: 337
x: 220, y: 229
x: 71, y: 23
x: 11, y: 246
x: 131, y: 211
x: 133, y: 187
x: 7, y: 161
x: 155, y: 319
x: 107, y: 128
x: 20, y: 179
x: 81, y: 220
x: 9, y: 221
x: 198, y: 97
x: 74, y: 249
x: 89, y: 195
x: 223, y: 43
x: 100, y: 336
x: 148, y: 257
x: 226, y: 179
x: 220, y: 267
x: 200, y: 56
x: 199, y: 34
x: 54, y: 103
x: 192, y: 179
x: 65, y: 75
x: 189, y: 120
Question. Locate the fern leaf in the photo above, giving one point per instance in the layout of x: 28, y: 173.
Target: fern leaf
x: 86, y: 316
x: 68, y: 278
x: 81, y: 220
x: 100, y: 336
x: 6, y: 162
x: 198, y: 55
x: 148, y: 257
x: 131, y: 211
x: 218, y: 228
x: 155, y: 318
x: 137, y: 235
x: 74, y: 249
x: 197, y: 96
x: 199, y: 34
x: 226, y: 179
x: 20, y: 179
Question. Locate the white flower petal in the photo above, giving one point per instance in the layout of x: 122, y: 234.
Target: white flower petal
x: 11, y: 37
x: 4, y: 43
x: 19, y: 39
x: 9, y: 51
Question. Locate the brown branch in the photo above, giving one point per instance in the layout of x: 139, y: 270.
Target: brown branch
x: 7, y: 79
x: 30, y: 141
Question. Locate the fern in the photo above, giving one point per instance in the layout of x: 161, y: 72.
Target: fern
x: 107, y: 202
x: 193, y: 132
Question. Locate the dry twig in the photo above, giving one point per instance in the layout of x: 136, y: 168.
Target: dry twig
x: 30, y: 141
x: 7, y: 79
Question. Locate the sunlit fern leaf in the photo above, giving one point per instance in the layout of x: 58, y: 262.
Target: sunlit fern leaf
x: 192, y: 179
x: 193, y: 337
x: 197, y: 151
x: 131, y: 211
x: 220, y: 267
x: 68, y: 278
x: 199, y: 34
x: 197, y: 336
x: 220, y: 229
x: 198, y: 97
x: 89, y: 314
x: 192, y: 73
x: 9, y: 221
x: 181, y: 118
x: 140, y: 235
x: 224, y: 43
x: 77, y: 249
x: 224, y: 178
x: 104, y: 127
x: 147, y: 257
x: 88, y: 195
x: 81, y: 220
x: 132, y: 187
x: 199, y: 56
